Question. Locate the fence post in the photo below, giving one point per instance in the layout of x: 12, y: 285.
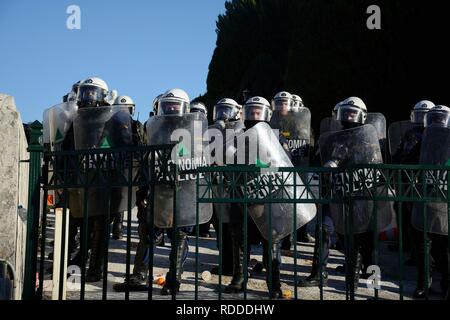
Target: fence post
x: 35, y: 149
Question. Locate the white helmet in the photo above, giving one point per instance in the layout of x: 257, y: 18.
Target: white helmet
x: 155, y: 103
x: 92, y: 92
x: 282, y: 101
x: 199, y: 107
x: 438, y: 116
x: 335, y: 109
x: 174, y: 101
x: 352, y: 110
x: 126, y: 101
x: 227, y: 109
x: 257, y: 109
x: 297, y: 102
x: 72, y: 95
x: 420, y: 109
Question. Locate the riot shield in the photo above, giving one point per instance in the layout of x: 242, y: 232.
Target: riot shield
x: 435, y: 150
x: 187, y: 155
x: 296, y: 128
x: 379, y: 122
x: 329, y: 124
x: 260, y: 146
x: 102, y: 127
x: 351, y: 147
x: 56, y: 123
x: 396, y: 133
x: 228, y: 130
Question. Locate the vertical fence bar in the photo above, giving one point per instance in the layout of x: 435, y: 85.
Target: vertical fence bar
x: 245, y: 240
x: 43, y: 229
x: 400, y: 230
x: 270, y: 240
x: 175, y: 244
x: 107, y: 232
x: 375, y: 231
x: 425, y: 236
x: 353, y: 249
x: 320, y: 252
x: 35, y: 149
x: 221, y: 209
x: 63, y: 261
x: 85, y: 227
x: 448, y: 238
x: 295, y: 234
x: 197, y: 233
x: 128, y: 251
x: 151, y: 220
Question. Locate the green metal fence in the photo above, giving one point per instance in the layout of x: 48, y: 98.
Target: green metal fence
x: 396, y: 183
x: 136, y: 167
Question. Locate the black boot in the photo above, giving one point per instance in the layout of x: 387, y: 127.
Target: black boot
x: 420, y: 292
x: 357, y: 271
x: 138, y: 280
x: 177, y: 258
x: 303, y: 235
x: 276, y: 292
x: 117, y: 230
x: 237, y: 282
x: 313, y: 280
x: 97, y: 241
x: 137, y: 283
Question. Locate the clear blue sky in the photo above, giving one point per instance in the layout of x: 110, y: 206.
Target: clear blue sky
x: 141, y: 48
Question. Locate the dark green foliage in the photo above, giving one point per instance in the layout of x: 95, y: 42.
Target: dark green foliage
x: 323, y: 51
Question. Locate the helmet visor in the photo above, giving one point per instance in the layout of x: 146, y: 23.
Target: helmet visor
x: 350, y: 114
x: 283, y: 104
x: 91, y: 96
x: 418, y: 116
x: 256, y: 113
x: 198, y: 109
x: 437, y: 119
x: 172, y: 106
x: 224, y: 112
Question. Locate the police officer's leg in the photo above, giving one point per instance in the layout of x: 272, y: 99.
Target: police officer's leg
x: 97, y: 237
x: 440, y: 252
x: 117, y: 230
x: 355, y: 262
x: 227, y: 248
x: 313, y: 279
x: 367, y: 245
x: 74, y: 224
x: 237, y: 239
x: 276, y: 265
x: 138, y: 279
x: 303, y: 235
x: 177, y: 258
x: 420, y: 250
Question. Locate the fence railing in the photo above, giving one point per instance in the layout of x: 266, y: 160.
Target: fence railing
x: 107, y: 170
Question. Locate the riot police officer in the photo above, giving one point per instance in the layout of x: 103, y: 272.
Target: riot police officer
x: 405, y: 139
x: 93, y: 93
x: 199, y: 107
x: 431, y: 230
x: 173, y: 114
x: 357, y: 143
x: 226, y: 116
x: 138, y: 139
x: 294, y: 121
x: 297, y: 103
x: 256, y: 114
x: 57, y: 128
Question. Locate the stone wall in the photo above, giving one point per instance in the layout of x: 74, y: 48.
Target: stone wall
x: 13, y: 189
